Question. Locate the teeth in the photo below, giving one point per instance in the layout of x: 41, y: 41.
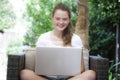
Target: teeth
x: 61, y: 26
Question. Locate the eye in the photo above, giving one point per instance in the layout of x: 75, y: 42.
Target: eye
x: 64, y: 19
x: 57, y: 18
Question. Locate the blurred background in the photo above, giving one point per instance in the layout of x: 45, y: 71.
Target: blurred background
x: 22, y: 21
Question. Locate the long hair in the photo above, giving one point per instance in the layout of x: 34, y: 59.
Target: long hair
x: 67, y: 33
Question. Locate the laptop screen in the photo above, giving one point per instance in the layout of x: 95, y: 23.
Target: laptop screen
x: 58, y: 61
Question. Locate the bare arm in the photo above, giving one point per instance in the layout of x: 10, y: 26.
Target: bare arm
x: 82, y: 63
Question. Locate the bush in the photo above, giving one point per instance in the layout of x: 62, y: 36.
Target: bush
x: 15, y: 45
x: 115, y: 75
x: 104, y: 15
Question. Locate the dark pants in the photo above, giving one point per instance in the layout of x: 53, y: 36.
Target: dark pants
x: 52, y: 78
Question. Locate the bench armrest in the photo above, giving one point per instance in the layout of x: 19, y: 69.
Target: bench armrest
x: 16, y: 62
x: 100, y: 66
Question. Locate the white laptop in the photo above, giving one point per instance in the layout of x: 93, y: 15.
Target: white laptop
x: 58, y: 61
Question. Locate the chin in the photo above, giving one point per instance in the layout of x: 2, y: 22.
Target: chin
x: 60, y: 29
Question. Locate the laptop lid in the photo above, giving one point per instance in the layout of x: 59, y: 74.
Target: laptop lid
x: 58, y: 61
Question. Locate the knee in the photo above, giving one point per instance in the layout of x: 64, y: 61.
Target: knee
x: 25, y: 74
x: 25, y: 71
x: 91, y: 74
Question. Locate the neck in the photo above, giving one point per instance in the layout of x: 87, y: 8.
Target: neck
x: 57, y: 33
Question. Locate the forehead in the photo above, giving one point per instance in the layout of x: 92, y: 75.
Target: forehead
x: 60, y: 13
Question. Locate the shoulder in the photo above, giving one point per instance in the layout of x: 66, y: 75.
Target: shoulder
x: 45, y: 35
x: 76, y: 41
x: 43, y: 39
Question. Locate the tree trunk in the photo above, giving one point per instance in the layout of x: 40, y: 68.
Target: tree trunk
x: 82, y: 22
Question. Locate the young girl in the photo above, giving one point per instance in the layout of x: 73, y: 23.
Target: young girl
x: 60, y: 36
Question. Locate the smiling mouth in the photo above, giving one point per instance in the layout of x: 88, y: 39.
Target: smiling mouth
x: 61, y: 26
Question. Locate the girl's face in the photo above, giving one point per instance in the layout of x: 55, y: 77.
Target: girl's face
x: 60, y: 20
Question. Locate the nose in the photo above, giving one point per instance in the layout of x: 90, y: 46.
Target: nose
x: 61, y: 21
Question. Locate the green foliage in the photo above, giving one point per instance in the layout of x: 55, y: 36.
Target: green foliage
x: 14, y: 45
x: 39, y: 15
x: 7, y: 18
x: 114, y: 76
x: 104, y: 15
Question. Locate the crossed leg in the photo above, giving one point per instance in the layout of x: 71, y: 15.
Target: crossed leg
x: 30, y: 75
x: 87, y: 75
